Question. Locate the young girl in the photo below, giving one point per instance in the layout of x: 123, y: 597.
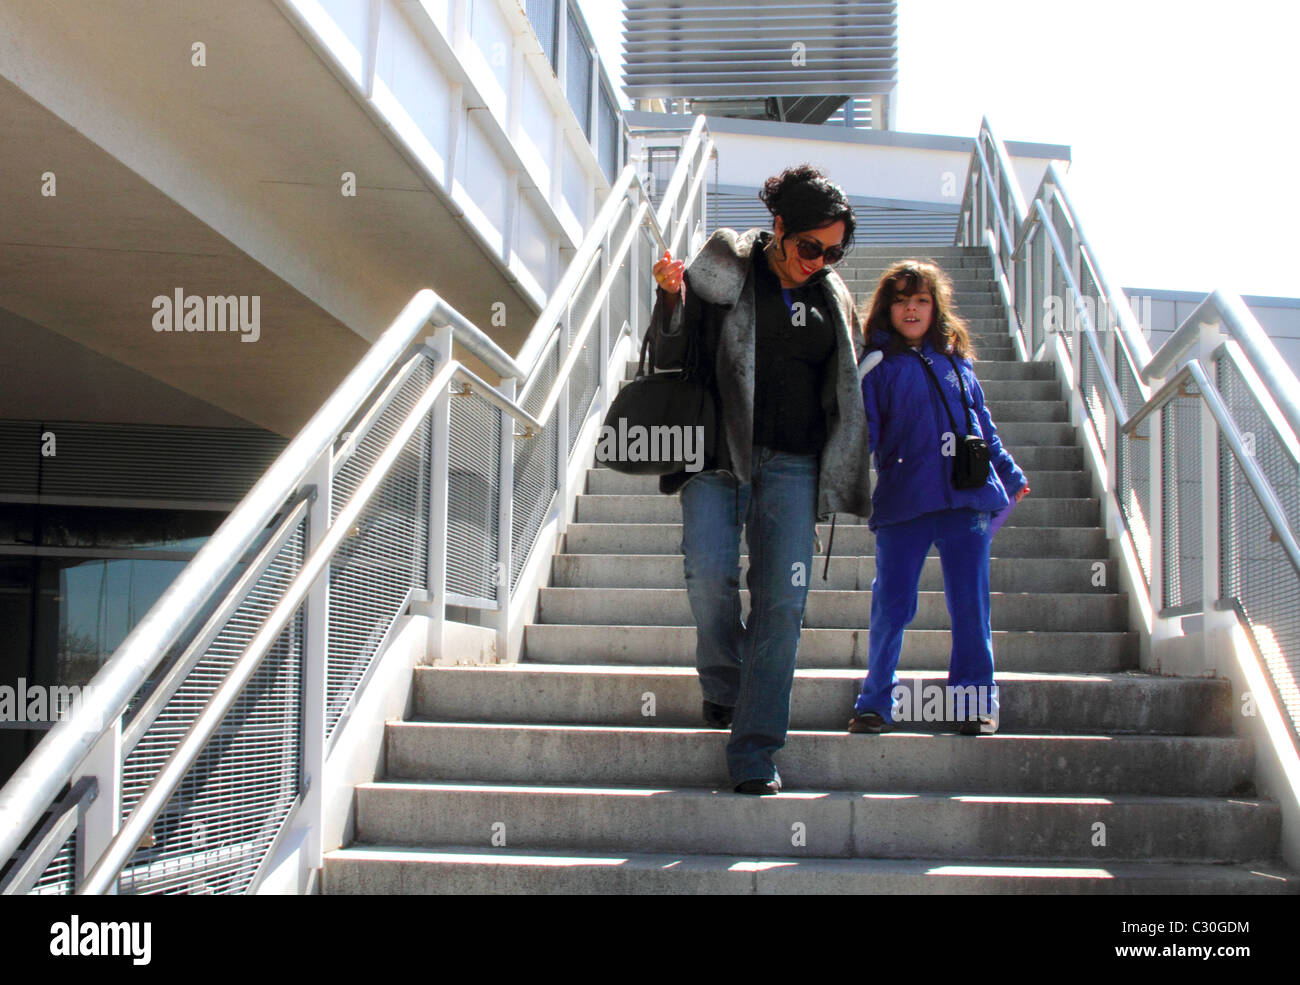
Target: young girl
x: 923, y: 387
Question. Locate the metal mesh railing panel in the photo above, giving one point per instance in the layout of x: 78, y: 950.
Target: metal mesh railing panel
x: 537, y: 462
x: 226, y: 812
x: 58, y: 876
x: 1094, y: 395
x: 374, y: 572
x: 643, y: 284
x: 585, y: 377
x: 1182, y: 494
x: 1133, y: 465
x: 578, y: 66
x: 1253, y: 567
x: 386, y: 556
x: 1038, y: 273
x: 473, y: 496
x: 620, y: 300
x: 542, y: 15
x: 607, y: 136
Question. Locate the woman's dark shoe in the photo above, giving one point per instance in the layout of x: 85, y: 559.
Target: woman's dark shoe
x: 759, y: 787
x: 983, y: 725
x: 868, y: 723
x: 717, y: 716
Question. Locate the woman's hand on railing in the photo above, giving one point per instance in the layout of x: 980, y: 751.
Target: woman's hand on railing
x: 668, y: 273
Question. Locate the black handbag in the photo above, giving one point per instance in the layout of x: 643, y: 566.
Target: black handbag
x: 661, y: 422
x: 970, y: 467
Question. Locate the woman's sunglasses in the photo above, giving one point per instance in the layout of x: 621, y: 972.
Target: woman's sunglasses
x: 810, y: 249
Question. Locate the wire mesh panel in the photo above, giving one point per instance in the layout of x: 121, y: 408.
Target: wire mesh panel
x: 643, y: 283
x: 58, y: 877
x: 585, y: 377
x: 578, y: 65
x: 225, y: 814
x: 661, y: 162
x: 1254, y: 569
x: 1181, y: 460
x: 620, y: 299
x: 1094, y: 395
x: 1038, y: 273
x: 385, y: 556
x: 542, y: 15
x: 1062, y: 301
x: 1133, y: 465
x: 473, y: 496
x: 536, y: 470
x: 607, y: 136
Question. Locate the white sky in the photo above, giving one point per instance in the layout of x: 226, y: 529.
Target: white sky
x: 1181, y: 116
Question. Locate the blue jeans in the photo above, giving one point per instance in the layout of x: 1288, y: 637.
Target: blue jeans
x: 750, y: 666
x: 963, y: 540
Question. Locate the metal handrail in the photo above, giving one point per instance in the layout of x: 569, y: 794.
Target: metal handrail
x: 1087, y: 329
x: 40, y: 777
x: 169, y: 776
x: 1268, y: 381
x: 38, y: 780
x: 679, y: 174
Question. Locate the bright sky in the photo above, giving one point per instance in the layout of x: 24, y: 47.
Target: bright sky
x: 1182, y: 120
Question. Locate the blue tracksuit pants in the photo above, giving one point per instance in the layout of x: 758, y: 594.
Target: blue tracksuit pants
x: 962, y: 537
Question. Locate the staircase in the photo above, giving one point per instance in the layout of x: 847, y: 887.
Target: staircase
x: 585, y: 768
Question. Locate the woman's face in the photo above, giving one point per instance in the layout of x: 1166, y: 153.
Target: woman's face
x: 792, y: 269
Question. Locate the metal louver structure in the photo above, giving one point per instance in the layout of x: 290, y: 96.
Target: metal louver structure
x: 759, y: 59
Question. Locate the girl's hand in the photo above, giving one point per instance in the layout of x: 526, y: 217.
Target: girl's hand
x: 668, y: 273
x: 1023, y: 492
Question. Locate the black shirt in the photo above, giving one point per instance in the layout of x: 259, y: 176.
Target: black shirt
x: 793, y: 339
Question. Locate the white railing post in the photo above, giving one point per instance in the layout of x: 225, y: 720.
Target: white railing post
x: 104, y: 813
x: 561, y: 422
x: 603, y: 375
x: 1211, y: 590
x: 439, y: 471
x: 316, y: 665
x: 505, y: 524
x: 1155, y: 469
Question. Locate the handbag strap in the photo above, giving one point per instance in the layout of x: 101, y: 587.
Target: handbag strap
x: 691, y: 360
x: 941, y: 398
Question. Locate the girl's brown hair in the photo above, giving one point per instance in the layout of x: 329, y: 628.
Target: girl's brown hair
x: 947, y: 332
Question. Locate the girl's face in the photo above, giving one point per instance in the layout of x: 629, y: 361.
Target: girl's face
x: 911, y: 314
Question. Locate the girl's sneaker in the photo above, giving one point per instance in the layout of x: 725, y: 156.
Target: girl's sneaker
x: 868, y: 723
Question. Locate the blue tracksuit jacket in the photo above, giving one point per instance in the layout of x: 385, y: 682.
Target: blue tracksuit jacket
x: 907, y: 422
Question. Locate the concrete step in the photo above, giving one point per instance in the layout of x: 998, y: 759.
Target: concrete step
x: 1075, y: 765
x: 850, y: 540
x: 1015, y: 411
x: 843, y: 573
x: 478, y: 869
x: 923, y: 649
x: 1032, y: 511
x: 905, y: 824
x: 822, y: 700
x: 828, y: 609
x: 1045, y: 483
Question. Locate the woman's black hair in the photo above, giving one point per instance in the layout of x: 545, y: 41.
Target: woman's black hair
x: 805, y: 199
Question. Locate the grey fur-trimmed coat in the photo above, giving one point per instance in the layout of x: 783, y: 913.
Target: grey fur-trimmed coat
x: 719, y: 302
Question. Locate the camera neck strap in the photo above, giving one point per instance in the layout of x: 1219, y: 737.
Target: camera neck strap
x: 960, y: 380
